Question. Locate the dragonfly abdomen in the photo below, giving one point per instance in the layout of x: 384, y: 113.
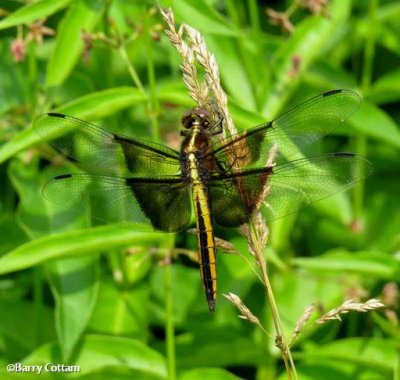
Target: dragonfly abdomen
x: 206, y: 243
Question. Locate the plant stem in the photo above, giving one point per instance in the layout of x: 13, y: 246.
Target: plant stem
x: 169, y: 317
x: 38, y: 303
x: 131, y: 69
x: 33, y: 78
x: 361, y: 141
x: 153, y: 106
x: 254, y: 18
x: 280, y: 337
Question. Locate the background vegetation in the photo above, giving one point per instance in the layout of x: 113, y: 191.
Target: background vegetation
x: 72, y: 295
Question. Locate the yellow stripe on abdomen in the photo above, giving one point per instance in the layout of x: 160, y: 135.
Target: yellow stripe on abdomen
x: 206, y: 243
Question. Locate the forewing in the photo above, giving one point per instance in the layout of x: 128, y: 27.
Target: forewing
x: 102, y: 152
x: 141, y: 204
x: 291, y: 133
x: 290, y: 186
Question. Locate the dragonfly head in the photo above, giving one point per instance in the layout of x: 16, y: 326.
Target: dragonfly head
x: 199, y: 117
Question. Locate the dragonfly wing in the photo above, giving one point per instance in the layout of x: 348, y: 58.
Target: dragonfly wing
x: 291, y: 186
x: 102, y: 152
x: 301, y: 182
x: 234, y: 195
x: 292, y: 132
x: 141, y: 204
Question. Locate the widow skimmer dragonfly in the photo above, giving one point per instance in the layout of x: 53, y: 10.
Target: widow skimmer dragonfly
x: 144, y: 185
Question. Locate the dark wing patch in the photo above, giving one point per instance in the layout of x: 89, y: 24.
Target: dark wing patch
x: 141, y: 204
x: 234, y: 195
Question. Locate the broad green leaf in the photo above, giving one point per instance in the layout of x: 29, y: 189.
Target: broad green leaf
x: 93, y: 106
x: 372, y: 352
x: 122, y: 311
x: 386, y: 88
x: 202, y: 17
x: 12, y: 235
x: 32, y: 12
x: 374, y: 264
x: 74, y: 243
x: 375, y: 123
x: 98, y: 353
x: 209, y: 374
x: 235, y: 76
x: 14, y: 316
x: 333, y: 370
x: 294, y: 291
x: 185, y: 290
x: 82, y: 16
x: 74, y: 284
x: 175, y: 93
x: 103, y: 103
x: 217, y: 347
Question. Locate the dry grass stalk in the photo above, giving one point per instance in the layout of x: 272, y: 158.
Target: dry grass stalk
x: 197, y: 92
x: 350, y: 305
x: 257, y: 234
x: 309, y: 309
x: 191, y: 50
x: 225, y: 246
x: 245, y: 312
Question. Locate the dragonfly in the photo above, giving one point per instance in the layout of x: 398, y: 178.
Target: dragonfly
x: 150, y: 187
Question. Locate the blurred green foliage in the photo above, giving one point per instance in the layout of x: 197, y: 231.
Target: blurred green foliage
x: 71, y: 295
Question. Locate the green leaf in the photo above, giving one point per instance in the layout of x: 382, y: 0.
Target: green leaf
x: 14, y: 315
x: 75, y: 287
x: 234, y: 74
x: 122, y: 311
x: 73, y: 243
x: 217, y: 347
x: 209, y: 374
x: 372, y: 121
x: 93, y: 106
x: 186, y: 285
x: 98, y: 353
x: 373, y: 353
x: 103, y: 103
x: 32, y: 12
x: 202, y: 17
x: 294, y: 291
x: 375, y: 264
x: 82, y: 16
x: 12, y: 235
x: 386, y: 88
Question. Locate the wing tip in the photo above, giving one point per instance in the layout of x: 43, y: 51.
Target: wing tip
x: 61, y: 176
x: 332, y: 92
x: 353, y: 93
x: 56, y: 114
x: 343, y: 154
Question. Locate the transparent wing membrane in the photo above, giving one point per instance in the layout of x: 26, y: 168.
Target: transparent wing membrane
x: 102, y: 152
x: 292, y: 132
x: 291, y: 185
